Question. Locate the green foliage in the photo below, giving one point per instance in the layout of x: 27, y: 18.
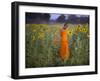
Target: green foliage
x: 42, y: 45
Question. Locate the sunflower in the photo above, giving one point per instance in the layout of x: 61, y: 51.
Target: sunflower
x: 84, y: 30
x: 78, y: 27
x: 70, y: 33
x: 81, y: 29
x: 41, y: 36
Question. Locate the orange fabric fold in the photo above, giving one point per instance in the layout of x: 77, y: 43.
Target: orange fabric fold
x: 64, y: 49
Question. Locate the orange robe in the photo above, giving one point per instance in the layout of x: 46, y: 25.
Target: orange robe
x: 64, y: 49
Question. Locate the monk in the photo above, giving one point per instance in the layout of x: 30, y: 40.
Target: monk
x: 64, y: 47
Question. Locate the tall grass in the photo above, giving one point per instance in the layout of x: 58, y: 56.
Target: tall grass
x: 43, y: 43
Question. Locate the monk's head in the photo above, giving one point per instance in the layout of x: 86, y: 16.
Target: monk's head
x: 65, y: 26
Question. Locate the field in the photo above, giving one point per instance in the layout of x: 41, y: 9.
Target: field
x: 43, y: 43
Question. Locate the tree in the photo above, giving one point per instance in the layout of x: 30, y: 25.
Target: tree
x: 37, y: 17
x: 72, y: 19
x: 46, y: 17
x: 61, y: 18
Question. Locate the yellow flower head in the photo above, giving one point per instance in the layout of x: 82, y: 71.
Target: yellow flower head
x: 70, y: 32
x: 78, y: 28
x: 84, y: 29
x: 41, y: 35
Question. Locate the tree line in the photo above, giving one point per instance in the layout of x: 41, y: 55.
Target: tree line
x: 45, y: 18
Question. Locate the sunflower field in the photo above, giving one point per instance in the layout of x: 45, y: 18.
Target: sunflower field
x: 42, y: 43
